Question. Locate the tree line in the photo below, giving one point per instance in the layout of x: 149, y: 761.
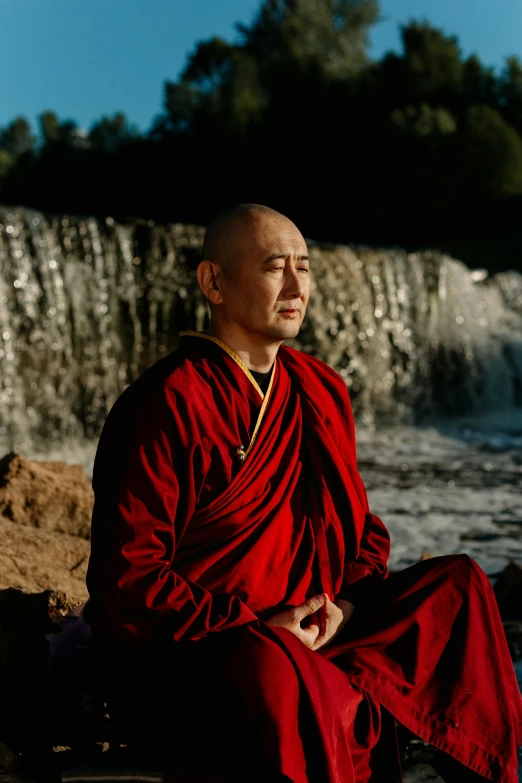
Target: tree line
x: 418, y: 148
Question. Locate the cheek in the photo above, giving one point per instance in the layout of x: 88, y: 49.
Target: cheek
x: 262, y: 293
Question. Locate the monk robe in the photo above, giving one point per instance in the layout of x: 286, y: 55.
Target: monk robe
x: 217, y: 506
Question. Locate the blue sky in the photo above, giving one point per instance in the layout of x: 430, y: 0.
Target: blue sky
x: 86, y: 58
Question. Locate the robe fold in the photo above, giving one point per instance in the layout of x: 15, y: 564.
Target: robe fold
x: 194, y: 549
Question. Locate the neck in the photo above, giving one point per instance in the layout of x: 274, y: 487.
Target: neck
x: 258, y: 354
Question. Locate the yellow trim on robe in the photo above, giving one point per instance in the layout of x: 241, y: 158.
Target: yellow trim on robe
x: 231, y: 353
x: 261, y: 412
x: 240, y: 362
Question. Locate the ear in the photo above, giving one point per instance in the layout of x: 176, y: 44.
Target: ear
x: 208, y: 279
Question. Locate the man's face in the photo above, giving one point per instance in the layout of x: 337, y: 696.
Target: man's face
x: 268, y: 289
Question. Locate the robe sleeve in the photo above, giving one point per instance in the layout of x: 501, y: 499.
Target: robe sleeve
x: 372, y: 561
x: 371, y: 564
x: 146, y: 478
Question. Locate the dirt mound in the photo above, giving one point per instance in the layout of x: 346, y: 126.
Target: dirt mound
x: 37, y: 560
x: 52, y: 496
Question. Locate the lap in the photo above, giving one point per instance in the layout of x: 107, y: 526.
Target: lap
x: 214, y: 684
x: 431, y: 592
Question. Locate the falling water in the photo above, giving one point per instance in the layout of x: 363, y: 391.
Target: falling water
x: 87, y: 305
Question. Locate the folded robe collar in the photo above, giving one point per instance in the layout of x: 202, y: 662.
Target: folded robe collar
x: 265, y: 397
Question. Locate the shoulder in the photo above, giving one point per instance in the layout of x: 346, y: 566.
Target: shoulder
x: 172, y: 387
x: 324, y: 386
x: 158, y: 410
x: 308, y: 367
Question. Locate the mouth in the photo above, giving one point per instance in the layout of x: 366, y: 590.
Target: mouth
x: 291, y: 311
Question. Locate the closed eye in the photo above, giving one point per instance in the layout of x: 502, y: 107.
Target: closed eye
x: 278, y: 268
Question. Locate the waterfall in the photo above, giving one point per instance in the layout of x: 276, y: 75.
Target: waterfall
x: 86, y: 305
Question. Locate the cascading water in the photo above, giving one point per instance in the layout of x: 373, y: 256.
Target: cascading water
x: 87, y: 305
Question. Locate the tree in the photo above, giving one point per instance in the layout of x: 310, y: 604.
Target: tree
x: 491, y: 155
x: 329, y: 37
x: 220, y: 87
x: 110, y: 133
x: 6, y: 164
x: 424, y: 121
x: 61, y: 136
x: 430, y: 68
x: 510, y: 91
x: 479, y: 83
x: 49, y: 128
x: 17, y: 138
x: 291, y: 47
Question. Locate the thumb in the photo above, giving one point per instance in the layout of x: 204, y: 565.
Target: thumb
x: 310, y: 606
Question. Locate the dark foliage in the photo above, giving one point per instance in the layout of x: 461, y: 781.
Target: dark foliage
x: 418, y: 149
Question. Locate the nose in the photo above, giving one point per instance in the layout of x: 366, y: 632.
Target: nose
x: 293, y: 285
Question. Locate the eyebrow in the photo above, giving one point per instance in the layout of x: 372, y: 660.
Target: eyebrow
x: 275, y: 256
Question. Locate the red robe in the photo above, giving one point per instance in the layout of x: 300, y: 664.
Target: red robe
x: 192, y: 550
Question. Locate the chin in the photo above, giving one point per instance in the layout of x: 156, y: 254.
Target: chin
x: 285, y: 332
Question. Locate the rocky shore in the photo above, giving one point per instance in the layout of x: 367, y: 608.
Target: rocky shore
x: 53, y: 720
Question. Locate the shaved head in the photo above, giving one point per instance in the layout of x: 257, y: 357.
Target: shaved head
x: 227, y: 234
x: 255, y: 275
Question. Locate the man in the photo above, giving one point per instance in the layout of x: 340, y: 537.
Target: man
x: 240, y: 599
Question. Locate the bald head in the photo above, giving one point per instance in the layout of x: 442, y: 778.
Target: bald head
x: 228, y: 234
x: 255, y: 275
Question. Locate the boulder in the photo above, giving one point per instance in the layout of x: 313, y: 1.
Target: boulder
x: 25, y: 620
x: 8, y: 760
x: 36, y: 560
x: 52, y: 496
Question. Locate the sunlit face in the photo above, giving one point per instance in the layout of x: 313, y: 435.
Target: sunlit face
x: 268, y: 290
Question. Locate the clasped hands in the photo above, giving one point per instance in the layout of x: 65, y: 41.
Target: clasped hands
x: 317, y: 621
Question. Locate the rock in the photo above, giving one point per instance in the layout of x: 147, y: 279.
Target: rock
x: 508, y: 592
x: 52, y: 496
x: 20, y: 608
x: 419, y: 760
x: 25, y: 619
x: 8, y: 760
x: 35, y: 560
x: 479, y: 535
x: 421, y: 773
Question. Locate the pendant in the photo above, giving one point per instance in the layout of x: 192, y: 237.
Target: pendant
x: 240, y: 453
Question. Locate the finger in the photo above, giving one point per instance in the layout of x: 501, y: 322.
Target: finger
x: 307, y: 635
x: 312, y: 631
x: 310, y: 623
x: 309, y: 606
x: 331, y: 621
x: 323, y: 637
x: 284, y: 619
x: 310, y: 619
x: 324, y: 613
x: 321, y: 642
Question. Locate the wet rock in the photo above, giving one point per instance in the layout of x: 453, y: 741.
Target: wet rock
x: 52, y: 496
x: 479, y: 535
x: 507, y: 519
x: 421, y: 773
x: 508, y: 591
